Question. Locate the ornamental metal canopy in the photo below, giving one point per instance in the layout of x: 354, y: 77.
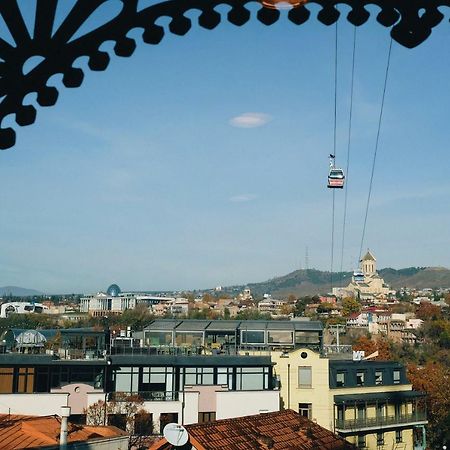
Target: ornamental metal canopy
x: 411, y: 23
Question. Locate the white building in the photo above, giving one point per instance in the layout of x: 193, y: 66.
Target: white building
x: 21, y: 308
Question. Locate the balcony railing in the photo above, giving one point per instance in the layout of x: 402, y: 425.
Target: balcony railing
x: 380, y: 422
x: 146, y: 396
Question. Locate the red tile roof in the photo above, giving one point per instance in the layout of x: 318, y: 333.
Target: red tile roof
x: 283, y: 430
x: 18, y: 432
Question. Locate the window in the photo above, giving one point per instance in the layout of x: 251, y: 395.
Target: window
x: 396, y: 376
x: 381, y: 411
x: 41, y: 384
x: 143, y: 424
x: 199, y: 375
x: 361, y: 440
x: 340, y: 379
x: 378, y: 377
x: 126, y: 379
x: 305, y: 410
x: 252, y: 378
x: 304, y: 377
x: 166, y: 418
x: 156, y: 379
x: 360, y: 378
x: 380, y: 438
x: 204, y: 417
x: 280, y: 337
x: 225, y: 376
x: 156, y: 338
x: 252, y: 337
x: 25, y: 382
x: 6, y: 380
x: 398, y: 436
x: 189, y: 339
x: 340, y: 412
x: 361, y: 412
x: 118, y: 420
x: 307, y: 337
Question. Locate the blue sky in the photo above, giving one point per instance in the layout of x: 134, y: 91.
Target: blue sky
x: 146, y: 177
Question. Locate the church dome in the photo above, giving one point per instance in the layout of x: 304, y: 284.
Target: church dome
x: 113, y: 290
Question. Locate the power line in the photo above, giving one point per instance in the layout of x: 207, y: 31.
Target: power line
x: 334, y: 146
x: 332, y: 243
x: 380, y: 118
x: 347, y: 169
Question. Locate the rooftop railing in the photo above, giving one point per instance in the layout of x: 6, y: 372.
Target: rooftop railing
x: 146, y: 396
x: 380, y: 422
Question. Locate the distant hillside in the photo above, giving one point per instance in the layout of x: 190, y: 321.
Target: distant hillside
x: 16, y: 291
x: 312, y: 282
x: 300, y: 282
x: 417, y: 277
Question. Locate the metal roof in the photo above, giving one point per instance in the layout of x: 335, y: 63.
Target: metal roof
x: 163, y: 324
x: 364, y: 364
x: 303, y: 325
x: 193, y: 325
x: 395, y: 397
x: 191, y: 361
x: 278, y: 325
x: 253, y: 325
x: 223, y: 325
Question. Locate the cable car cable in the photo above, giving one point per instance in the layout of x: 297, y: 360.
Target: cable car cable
x: 334, y: 147
x: 380, y: 118
x: 348, y: 152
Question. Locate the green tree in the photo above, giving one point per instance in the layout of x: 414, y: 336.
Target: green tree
x: 350, y: 306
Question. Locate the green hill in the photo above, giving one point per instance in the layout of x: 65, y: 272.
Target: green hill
x: 312, y: 281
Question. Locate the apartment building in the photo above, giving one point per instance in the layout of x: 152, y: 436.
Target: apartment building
x: 185, y: 389
x: 190, y: 371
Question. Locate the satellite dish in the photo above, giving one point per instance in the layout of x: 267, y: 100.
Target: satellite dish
x: 175, y: 434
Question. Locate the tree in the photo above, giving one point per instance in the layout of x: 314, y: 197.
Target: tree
x: 325, y: 307
x: 427, y: 311
x: 208, y: 298
x: 301, y: 303
x: 369, y: 346
x: 55, y: 342
x: 286, y: 309
x: 125, y: 412
x: 434, y: 380
x: 349, y: 306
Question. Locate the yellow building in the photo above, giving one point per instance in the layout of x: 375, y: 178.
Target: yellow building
x: 370, y: 403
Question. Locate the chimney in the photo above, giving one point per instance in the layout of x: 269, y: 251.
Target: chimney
x: 65, y: 414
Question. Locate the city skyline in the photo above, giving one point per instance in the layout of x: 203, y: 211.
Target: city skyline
x: 208, y: 164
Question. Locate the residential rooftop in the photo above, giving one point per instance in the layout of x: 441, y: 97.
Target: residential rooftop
x: 282, y: 430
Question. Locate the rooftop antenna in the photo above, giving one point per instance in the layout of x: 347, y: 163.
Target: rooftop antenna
x: 175, y: 434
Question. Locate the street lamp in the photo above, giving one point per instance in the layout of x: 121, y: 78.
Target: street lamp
x: 105, y: 387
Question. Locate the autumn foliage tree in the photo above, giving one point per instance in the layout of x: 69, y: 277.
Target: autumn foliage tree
x: 428, y: 311
x: 434, y: 379
x: 369, y: 346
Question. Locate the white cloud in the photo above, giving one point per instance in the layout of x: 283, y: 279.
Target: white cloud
x: 242, y: 198
x: 250, y: 120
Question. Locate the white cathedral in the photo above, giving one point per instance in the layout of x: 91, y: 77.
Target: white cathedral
x: 366, y: 284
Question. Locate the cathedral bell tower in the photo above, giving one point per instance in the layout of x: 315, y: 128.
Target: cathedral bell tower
x: 368, y: 264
